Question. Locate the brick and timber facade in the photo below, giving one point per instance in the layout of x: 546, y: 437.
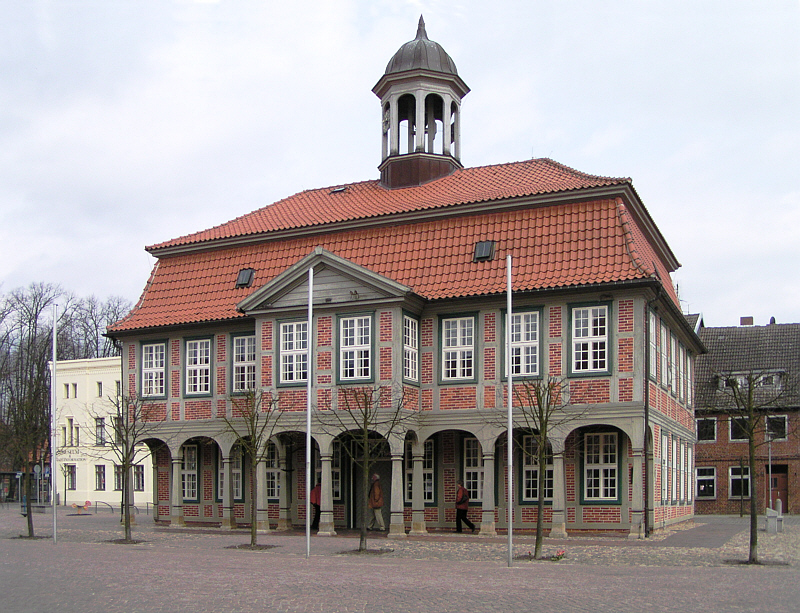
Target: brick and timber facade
x: 409, y: 298
x: 767, y: 357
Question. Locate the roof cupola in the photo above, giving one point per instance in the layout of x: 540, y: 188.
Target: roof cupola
x: 420, y: 95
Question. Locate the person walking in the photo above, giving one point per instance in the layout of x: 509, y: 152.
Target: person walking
x: 376, y: 504
x: 316, y: 496
x: 462, y: 506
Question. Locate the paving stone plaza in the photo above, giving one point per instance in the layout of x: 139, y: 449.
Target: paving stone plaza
x: 693, y: 566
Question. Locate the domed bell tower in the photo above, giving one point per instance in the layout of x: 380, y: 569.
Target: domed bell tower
x: 420, y: 95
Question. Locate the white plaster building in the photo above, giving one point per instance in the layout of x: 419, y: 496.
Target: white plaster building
x: 88, y: 467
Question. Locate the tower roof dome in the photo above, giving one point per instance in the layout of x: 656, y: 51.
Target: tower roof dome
x: 421, y: 53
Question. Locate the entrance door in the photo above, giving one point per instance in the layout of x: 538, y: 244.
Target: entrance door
x: 779, y: 488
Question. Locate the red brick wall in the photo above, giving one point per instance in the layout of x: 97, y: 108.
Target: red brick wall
x: 457, y: 398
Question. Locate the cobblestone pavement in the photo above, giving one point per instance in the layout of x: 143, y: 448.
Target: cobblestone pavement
x: 196, y: 569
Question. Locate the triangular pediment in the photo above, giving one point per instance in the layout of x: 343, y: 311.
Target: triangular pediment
x: 336, y: 282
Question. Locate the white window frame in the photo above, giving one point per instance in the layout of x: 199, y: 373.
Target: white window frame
x: 72, y: 476
x: 473, y: 468
x: 118, y: 477
x: 709, y: 475
x: 731, y: 420
x: 138, y: 477
x: 743, y: 475
x: 355, y: 348
x: 697, y: 429
x: 154, y: 369
x: 601, y: 466
x: 100, y: 477
x: 530, y: 471
x: 237, y: 473
x: 273, y: 480
x: 673, y: 469
x: 410, y: 349
x: 244, y: 363
x: 198, y: 366
x: 293, y: 352
x: 654, y: 330
x: 665, y: 469
x: 767, y: 429
x: 100, y: 431
x: 458, y: 348
x: 189, y: 472
x: 664, y: 347
x: 427, y: 471
x: 689, y: 472
x: 525, y: 334
x: 590, y: 339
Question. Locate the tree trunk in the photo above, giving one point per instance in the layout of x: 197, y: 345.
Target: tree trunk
x: 753, y: 555
x: 541, y: 472
x: 26, y: 482
x: 253, y: 503
x: 365, y: 483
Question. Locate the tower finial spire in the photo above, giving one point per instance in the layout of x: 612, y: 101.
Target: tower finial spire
x: 421, y: 33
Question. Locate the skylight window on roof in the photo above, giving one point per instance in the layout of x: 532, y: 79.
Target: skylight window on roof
x: 484, y: 251
x: 245, y: 277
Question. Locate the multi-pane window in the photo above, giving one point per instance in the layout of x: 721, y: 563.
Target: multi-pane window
x: 738, y: 428
x: 664, y: 346
x: 410, y: 348
x: 100, y: 477
x: 673, y: 365
x: 189, y: 472
x: 706, y: 429
x: 600, y: 466
x: 100, y: 431
x: 530, y: 476
x: 706, y: 479
x: 236, y: 472
x: 355, y: 357
x: 590, y: 339
x: 458, y: 348
x: 118, y: 477
x: 71, y: 476
x: 689, y: 472
x: 336, y: 470
x: 138, y: 477
x: 154, y: 369
x: 525, y: 344
x: 673, y: 465
x: 682, y: 470
x: 739, y: 482
x: 99, y: 389
x: 653, y: 358
x: 776, y: 428
x: 427, y: 471
x: 244, y: 363
x: 294, y: 352
x: 664, y: 468
x: 473, y: 469
x: 273, y: 481
x: 198, y: 366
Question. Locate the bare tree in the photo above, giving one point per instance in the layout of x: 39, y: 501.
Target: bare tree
x: 133, y: 422
x: 255, y: 415
x: 367, y: 413
x: 25, y: 383
x: 748, y: 398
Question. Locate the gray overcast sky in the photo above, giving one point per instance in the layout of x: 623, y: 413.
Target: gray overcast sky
x: 123, y: 124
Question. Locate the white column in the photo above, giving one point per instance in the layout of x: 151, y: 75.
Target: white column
x: 394, y: 129
x: 558, y: 526
x: 176, y: 503
x: 488, y: 527
x: 447, y: 136
x: 397, y: 526
x: 419, y: 122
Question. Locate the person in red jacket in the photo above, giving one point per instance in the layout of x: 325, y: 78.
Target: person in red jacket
x: 316, y: 496
x: 462, y: 506
x: 376, y: 504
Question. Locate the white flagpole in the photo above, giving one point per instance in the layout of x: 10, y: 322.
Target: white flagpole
x: 510, y: 423
x: 309, y: 369
x: 53, y: 397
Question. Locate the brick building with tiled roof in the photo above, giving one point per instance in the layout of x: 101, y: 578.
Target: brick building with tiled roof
x: 409, y: 294
x: 769, y: 356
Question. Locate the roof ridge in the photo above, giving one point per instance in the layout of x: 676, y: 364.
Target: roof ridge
x: 580, y: 172
x: 630, y: 241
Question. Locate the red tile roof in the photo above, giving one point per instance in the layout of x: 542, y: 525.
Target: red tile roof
x: 560, y: 245
x: 361, y: 201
